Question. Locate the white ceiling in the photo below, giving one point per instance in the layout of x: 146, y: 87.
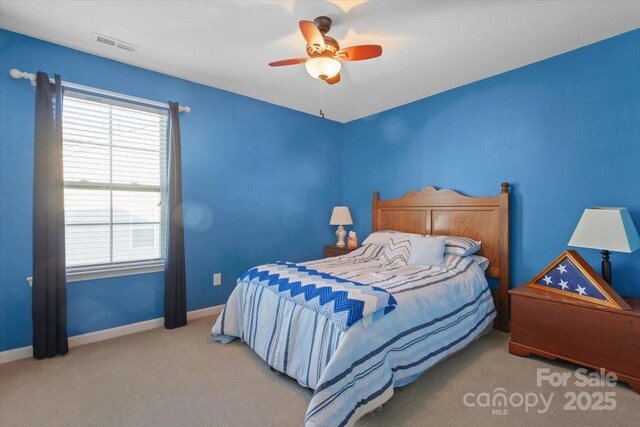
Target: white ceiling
x: 428, y: 46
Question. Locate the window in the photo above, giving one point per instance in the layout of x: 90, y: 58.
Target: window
x: 114, y: 186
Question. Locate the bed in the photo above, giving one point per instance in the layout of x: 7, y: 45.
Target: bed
x: 417, y: 315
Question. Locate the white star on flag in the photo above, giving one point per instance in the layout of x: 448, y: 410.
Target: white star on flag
x: 561, y: 268
x: 547, y: 280
x: 581, y: 290
x: 563, y: 284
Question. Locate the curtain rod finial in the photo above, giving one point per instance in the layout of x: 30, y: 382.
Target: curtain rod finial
x: 17, y: 74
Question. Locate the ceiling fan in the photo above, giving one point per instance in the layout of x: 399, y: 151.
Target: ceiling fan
x: 325, y: 55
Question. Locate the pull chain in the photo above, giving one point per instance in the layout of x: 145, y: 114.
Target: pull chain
x: 322, y: 99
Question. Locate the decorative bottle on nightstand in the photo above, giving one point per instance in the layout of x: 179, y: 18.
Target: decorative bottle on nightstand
x: 352, y: 243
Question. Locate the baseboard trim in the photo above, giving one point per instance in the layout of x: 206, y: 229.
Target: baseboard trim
x: 105, y: 334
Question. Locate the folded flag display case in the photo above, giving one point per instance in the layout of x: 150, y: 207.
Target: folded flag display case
x: 571, y: 276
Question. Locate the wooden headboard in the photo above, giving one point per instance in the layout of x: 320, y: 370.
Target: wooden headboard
x: 446, y: 212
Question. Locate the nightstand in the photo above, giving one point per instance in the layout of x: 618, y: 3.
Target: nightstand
x: 333, y: 250
x: 557, y: 327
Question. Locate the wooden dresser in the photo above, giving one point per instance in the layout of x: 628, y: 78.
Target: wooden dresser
x: 558, y: 327
x: 333, y: 250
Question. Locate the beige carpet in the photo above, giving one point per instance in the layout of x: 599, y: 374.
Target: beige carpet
x: 181, y: 378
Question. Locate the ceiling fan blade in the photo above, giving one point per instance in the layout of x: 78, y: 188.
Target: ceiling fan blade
x: 312, y: 35
x: 359, y: 53
x: 295, y: 61
x: 333, y: 80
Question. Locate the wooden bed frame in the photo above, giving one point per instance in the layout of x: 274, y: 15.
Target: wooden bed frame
x: 446, y: 212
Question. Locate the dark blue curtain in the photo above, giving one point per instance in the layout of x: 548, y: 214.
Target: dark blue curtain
x: 175, y: 286
x: 49, y: 296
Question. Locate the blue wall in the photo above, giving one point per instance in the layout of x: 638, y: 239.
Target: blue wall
x: 564, y: 131
x: 259, y: 184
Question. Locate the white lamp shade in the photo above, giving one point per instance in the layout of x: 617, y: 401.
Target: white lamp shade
x: 340, y: 216
x: 607, y: 229
x: 323, y: 67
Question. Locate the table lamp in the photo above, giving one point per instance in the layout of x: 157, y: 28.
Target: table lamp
x: 340, y: 216
x: 607, y: 229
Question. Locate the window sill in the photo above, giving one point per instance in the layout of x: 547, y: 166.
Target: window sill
x: 80, y: 275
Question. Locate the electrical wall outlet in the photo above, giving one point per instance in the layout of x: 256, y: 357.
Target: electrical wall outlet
x: 217, y: 279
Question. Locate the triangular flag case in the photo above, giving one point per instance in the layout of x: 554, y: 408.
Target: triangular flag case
x: 571, y: 276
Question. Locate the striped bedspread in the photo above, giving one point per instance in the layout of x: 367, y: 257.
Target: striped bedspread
x: 344, y: 302
x: 439, y: 311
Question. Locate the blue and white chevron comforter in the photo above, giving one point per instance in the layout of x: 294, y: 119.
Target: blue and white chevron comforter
x: 354, y: 370
x: 344, y: 302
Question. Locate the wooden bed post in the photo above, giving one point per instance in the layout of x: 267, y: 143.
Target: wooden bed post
x: 374, y: 210
x: 502, y: 321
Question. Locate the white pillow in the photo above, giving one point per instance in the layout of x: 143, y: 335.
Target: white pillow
x: 398, y: 250
x: 382, y: 237
x: 427, y: 250
x: 461, y: 246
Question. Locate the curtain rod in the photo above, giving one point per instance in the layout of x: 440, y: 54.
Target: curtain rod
x: 17, y: 74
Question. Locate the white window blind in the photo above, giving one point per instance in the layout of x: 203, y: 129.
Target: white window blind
x: 114, y: 182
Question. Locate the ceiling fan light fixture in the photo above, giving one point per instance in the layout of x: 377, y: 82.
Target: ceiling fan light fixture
x: 325, y: 55
x: 323, y: 67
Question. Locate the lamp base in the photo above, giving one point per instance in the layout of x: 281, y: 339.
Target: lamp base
x: 606, y: 267
x: 340, y: 235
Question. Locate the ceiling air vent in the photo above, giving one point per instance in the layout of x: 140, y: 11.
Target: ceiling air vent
x: 110, y: 41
